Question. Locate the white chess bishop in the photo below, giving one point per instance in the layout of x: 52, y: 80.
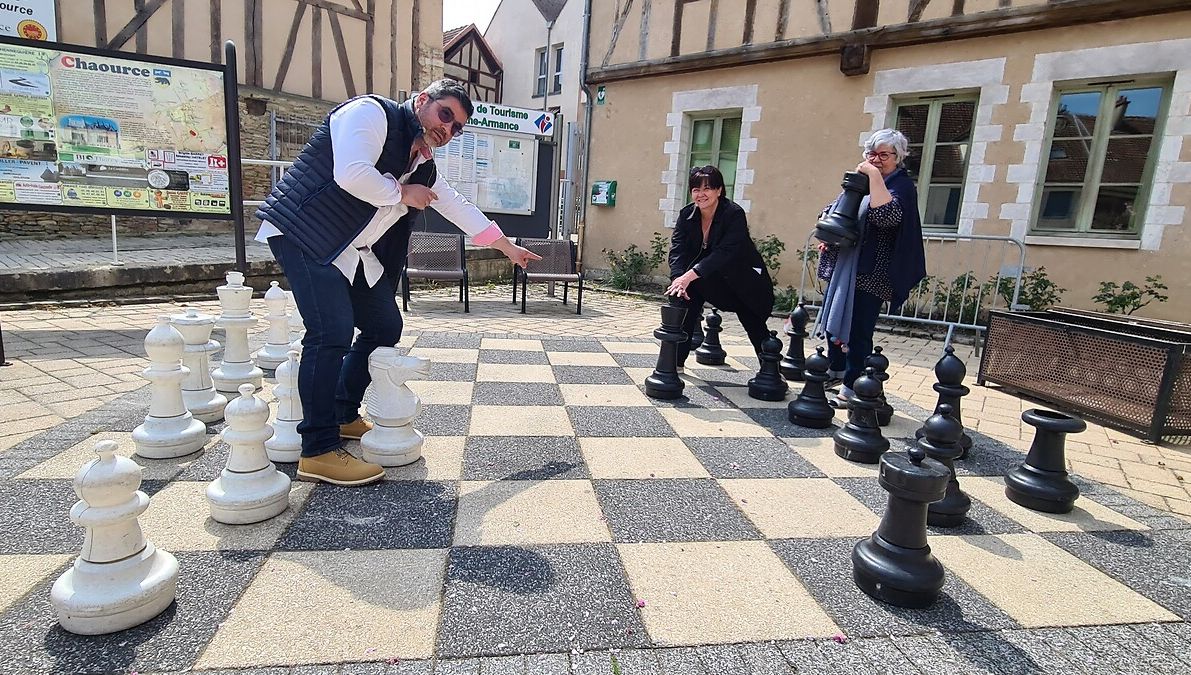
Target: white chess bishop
x: 392, y: 405
x: 198, y: 391
x: 250, y: 489
x: 120, y: 579
x: 286, y: 443
x: 277, y: 340
x: 169, y: 429
x: 235, y: 319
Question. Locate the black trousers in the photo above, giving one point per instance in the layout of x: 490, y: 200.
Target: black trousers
x: 717, y: 292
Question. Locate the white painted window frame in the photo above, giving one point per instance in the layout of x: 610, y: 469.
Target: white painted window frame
x: 987, y: 76
x: 699, y: 102
x: 1142, y: 59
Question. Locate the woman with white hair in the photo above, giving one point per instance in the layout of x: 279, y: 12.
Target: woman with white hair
x: 884, y: 268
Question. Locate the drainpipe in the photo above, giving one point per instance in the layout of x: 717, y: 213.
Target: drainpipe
x: 549, y: 60
x: 587, y: 114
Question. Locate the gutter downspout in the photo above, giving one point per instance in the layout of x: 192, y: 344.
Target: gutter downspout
x: 549, y: 68
x: 587, y: 115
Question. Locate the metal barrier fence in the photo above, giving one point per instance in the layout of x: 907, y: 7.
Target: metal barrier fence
x: 279, y: 165
x: 967, y: 275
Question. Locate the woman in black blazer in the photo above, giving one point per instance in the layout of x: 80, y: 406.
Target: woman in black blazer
x: 713, y: 259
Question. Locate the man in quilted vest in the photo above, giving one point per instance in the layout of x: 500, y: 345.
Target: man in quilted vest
x: 338, y: 222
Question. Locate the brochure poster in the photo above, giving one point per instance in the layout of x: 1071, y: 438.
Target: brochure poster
x: 84, y: 129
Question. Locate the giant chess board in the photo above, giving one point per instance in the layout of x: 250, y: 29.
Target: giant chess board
x: 559, y: 512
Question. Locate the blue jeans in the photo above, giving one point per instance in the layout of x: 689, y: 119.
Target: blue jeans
x: 865, y: 309
x: 333, y: 373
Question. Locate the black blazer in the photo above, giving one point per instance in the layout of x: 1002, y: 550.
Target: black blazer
x: 731, y: 255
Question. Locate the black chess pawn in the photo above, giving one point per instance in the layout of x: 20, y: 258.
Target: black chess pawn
x: 950, y: 372
x: 811, y: 409
x: 941, y: 442
x: 710, y: 352
x: 665, y: 383
x: 880, y: 363
x: 794, y: 362
x: 769, y: 385
x: 1041, y: 482
x: 895, y: 564
x: 860, y: 440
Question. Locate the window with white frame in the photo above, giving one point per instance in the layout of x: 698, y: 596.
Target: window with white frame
x: 939, y: 129
x: 716, y: 140
x: 541, y: 59
x: 1098, y: 158
x: 556, y: 85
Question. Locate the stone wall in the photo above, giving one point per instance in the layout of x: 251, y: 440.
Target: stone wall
x: 254, y: 144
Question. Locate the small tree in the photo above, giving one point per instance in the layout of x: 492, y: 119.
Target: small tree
x: 1129, y: 297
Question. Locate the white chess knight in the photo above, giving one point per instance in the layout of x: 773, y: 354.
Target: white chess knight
x: 120, y: 579
x: 277, y: 340
x: 169, y: 429
x: 198, y: 391
x: 286, y: 443
x: 235, y: 320
x: 392, y: 405
x: 250, y: 489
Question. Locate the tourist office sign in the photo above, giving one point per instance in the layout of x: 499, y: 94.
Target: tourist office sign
x: 88, y: 130
x: 494, y: 117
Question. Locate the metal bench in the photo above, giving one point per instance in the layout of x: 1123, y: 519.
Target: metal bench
x: 558, y: 263
x: 436, y: 256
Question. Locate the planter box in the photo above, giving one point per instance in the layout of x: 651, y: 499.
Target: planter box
x: 1134, y: 374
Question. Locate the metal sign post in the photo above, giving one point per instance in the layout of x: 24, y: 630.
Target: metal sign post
x: 231, y: 105
x: 3, y: 361
x: 115, y: 253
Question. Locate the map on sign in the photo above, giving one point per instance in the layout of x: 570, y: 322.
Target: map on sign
x: 84, y: 129
x: 494, y: 171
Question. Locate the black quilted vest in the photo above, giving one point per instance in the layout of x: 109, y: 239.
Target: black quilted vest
x: 323, y: 218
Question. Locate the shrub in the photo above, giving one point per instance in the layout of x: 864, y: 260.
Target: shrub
x: 1129, y: 297
x: 771, y: 248
x: 628, y: 266
x: 785, y: 299
x: 1037, y: 290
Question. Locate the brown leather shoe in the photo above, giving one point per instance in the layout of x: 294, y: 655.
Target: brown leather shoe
x: 355, y: 430
x: 339, y: 468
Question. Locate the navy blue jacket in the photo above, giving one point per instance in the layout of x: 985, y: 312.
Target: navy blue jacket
x: 322, y: 218
x: 908, y: 266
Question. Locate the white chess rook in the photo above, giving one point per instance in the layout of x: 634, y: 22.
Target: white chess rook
x: 286, y: 443
x: 120, y: 579
x: 392, y: 405
x: 277, y: 340
x: 169, y: 429
x: 235, y: 320
x: 198, y: 391
x: 250, y: 489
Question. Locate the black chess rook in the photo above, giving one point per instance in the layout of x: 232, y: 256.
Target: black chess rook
x: 811, y: 409
x: 1041, y: 482
x: 665, y: 383
x: 950, y: 372
x: 794, y: 363
x: 941, y: 443
x: 880, y: 363
x: 895, y: 564
x: 710, y: 352
x: 769, y: 385
x: 860, y: 440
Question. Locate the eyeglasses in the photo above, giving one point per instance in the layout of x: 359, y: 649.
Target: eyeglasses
x: 445, y: 115
x: 883, y: 156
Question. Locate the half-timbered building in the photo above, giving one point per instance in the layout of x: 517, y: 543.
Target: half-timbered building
x: 468, y: 59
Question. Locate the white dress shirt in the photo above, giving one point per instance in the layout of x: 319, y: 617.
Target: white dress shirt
x: 358, y: 133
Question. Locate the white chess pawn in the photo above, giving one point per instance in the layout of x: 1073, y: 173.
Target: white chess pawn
x: 198, y: 391
x: 235, y: 320
x: 392, y: 405
x: 277, y: 340
x: 286, y: 444
x: 250, y: 489
x: 120, y: 579
x: 169, y: 429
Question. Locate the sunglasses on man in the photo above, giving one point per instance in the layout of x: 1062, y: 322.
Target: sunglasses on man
x: 445, y: 115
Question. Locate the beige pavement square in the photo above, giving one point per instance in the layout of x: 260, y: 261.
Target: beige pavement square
x: 640, y: 458
x: 821, y: 453
x: 789, y: 508
x: 603, y: 394
x: 23, y: 572
x: 520, y: 420
x: 704, y: 422
x: 720, y: 592
x: 1040, y: 584
x: 580, y: 359
x: 740, y: 350
x: 631, y: 347
x: 1088, y: 516
x: 508, y: 372
x: 377, y: 605
x: 446, y: 355
x: 441, y: 392
x: 442, y: 459
x: 638, y: 375
x: 740, y: 397
x: 179, y: 519
x: 518, y: 513
x: 504, y: 343
x: 67, y: 463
